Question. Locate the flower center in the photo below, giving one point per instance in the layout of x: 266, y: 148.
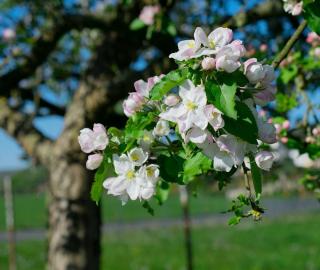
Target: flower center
x: 211, y: 44
x: 191, y: 44
x: 191, y: 106
x: 150, y: 172
x: 130, y: 175
x: 135, y: 157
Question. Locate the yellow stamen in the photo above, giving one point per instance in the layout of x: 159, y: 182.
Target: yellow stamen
x: 135, y: 157
x: 191, y: 105
x: 130, y: 175
x: 191, y: 44
x: 211, y: 44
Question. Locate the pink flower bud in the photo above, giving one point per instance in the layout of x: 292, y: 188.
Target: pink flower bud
x: 208, y: 63
x: 86, y: 140
x: 254, y: 70
x: 316, y: 131
x: 286, y: 124
x: 263, y: 47
x: 317, y: 52
x: 172, y: 100
x: 8, y: 34
x: 101, y: 139
x: 147, y: 14
x: 94, y: 161
x: 284, y: 139
x: 313, y: 38
x: 133, y: 104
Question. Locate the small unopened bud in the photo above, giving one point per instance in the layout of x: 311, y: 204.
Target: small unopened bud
x: 316, y: 131
x: 171, y: 100
x: 208, y: 63
x: 263, y: 47
x: 286, y: 124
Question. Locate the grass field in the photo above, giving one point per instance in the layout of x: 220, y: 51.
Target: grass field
x: 286, y: 244
x: 30, y: 209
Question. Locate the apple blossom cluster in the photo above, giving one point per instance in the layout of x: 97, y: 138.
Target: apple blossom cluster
x: 186, y: 123
x: 138, y: 99
x: 135, y: 179
x: 93, y: 141
x: 223, y: 54
x: 293, y: 7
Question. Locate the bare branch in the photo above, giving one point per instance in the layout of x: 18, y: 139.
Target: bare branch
x: 289, y: 45
x: 21, y: 128
x: 265, y: 10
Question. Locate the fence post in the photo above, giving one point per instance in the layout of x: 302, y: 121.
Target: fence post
x: 10, y: 221
x: 184, y: 200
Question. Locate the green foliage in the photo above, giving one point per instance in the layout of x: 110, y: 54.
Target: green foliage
x: 162, y: 192
x: 245, y: 126
x: 172, y: 79
x: 312, y: 15
x: 137, y: 123
x: 171, y: 168
x: 222, y: 96
x: 196, y: 165
x: 256, y: 176
x: 288, y: 73
x: 285, y: 102
x: 137, y: 24
x: 102, y: 173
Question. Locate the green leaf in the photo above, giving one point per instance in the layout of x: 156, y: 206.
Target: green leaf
x: 245, y: 127
x: 162, y: 192
x: 171, y: 29
x: 102, y: 173
x: 234, y: 220
x: 137, y: 123
x: 289, y: 73
x: 312, y: 15
x: 196, y: 165
x: 171, y: 168
x: 148, y: 207
x: 256, y: 176
x: 169, y: 81
x: 222, y: 96
x: 137, y: 24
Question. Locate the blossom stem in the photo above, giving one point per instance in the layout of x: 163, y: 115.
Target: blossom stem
x: 289, y: 45
x: 246, y: 179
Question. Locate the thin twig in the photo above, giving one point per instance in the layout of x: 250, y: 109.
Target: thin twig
x: 290, y: 43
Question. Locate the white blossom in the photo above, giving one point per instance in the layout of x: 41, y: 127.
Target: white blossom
x: 91, y: 140
x: 264, y: 160
x: 94, y: 161
x: 137, y: 156
x: 293, y: 7
x: 162, y: 128
x: 132, y: 183
x: 190, y: 111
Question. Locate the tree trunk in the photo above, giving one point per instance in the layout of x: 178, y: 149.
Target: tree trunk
x: 74, y: 220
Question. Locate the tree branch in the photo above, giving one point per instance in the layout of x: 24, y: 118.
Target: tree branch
x: 46, y: 44
x: 265, y: 10
x: 290, y: 43
x: 21, y: 128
